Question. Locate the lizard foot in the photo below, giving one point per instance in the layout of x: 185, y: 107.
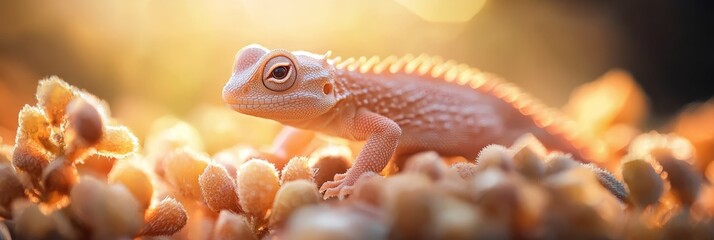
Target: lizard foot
x: 337, y: 188
x: 340, y: 192
x: 340, y: 176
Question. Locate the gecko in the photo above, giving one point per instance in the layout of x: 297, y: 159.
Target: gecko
x: 398, y: 105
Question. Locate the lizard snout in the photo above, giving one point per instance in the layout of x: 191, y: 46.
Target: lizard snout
x: 234, y: 90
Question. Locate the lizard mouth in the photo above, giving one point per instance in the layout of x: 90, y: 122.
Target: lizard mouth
x: 263, y: 105
x: 268, y: 103
x: 260, y: 108
x: 287, y: 107
x: 251, y: 104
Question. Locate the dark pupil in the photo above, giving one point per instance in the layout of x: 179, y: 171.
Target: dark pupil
x: 280, y: 72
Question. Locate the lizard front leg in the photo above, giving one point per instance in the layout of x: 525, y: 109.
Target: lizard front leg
x: 382, y: 135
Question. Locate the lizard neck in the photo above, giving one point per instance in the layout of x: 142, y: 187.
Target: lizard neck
x: 330, y: 122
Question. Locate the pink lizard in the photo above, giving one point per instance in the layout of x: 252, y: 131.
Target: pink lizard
x: 400, y: 106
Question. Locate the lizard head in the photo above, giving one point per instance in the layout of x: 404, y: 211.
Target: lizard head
x: 280, y: 85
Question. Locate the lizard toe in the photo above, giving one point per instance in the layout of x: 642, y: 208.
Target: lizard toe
x: 332, y: 192
x: 330, y: 185
x: 340, y: 187
x: 340, y: 176
x: 345, y: 191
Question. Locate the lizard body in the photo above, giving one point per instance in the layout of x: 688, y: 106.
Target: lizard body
x: 399, y: 106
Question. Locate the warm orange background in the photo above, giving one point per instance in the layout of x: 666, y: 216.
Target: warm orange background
x: 149, y: 58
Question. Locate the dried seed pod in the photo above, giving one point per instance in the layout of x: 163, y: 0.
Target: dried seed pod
x: 32, y: 223
x: 528, y: 160
x: 292, y: 196
x: 101, y: 105
x: 59, y: 176
x: 11, y: 189
x: 495, y: 192
x: 369, y: 189
x: 705, y: 229
x: 5, y: 232
x: 84, y: 197
x: 279, y: 163
x: 202, y: 222
x: 232, y: 226
x: 429, y: 163
x: 529, y: 140
x: 577, y: 220
x: 406, y: 182
x: 329, y: 161
x: 679, y: 226
x: 531, y: 207
x: 685, y: 182
x: 257, y: 185
x: 297, y: 168
x: 557, y: 162
x: 66, y: 228
x: 232, y: 158
x: 409, y: 203
x: 412, y: 213
x: 219, y: 189
x: 30, y: 155
x: 453, y: 183
x: 32, y: 124
x: 96, y: 165
x: 32, y: 159
x: 85, y: 122
x: 651, y: 144
x: 322, y: 222
x: 636, y: 228
x: 454, y: 219
x: 646, y: 186
x: 608, y: 181
x: 117, y: 141
x: 165, y: 218
x: 111, y: 211
x: 53, y: 95
x: 495, y: 156
x: 578, y: 185
x: 135, y: 180
x: 493, y: 228
x: 182, y: 168
x: 120, y: 212
x: 467, y: 171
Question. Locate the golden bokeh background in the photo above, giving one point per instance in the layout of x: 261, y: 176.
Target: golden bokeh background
x: 151, y: 58
x: 632, y: 75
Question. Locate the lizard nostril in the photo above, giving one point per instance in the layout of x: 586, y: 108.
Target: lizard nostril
x: 244, y: 90
x: 327, y: 89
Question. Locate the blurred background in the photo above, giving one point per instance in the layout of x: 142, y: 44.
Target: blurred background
x: 151, y: 58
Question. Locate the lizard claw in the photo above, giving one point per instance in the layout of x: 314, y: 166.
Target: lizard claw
x: 337, y: 188
x: 330, y: 185
x: 332, y: 192
x: 341, y: 192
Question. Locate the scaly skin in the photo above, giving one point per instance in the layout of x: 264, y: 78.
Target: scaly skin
x: 399, y: 106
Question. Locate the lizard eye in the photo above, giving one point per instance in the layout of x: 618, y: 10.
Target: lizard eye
x: 279, y: 74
